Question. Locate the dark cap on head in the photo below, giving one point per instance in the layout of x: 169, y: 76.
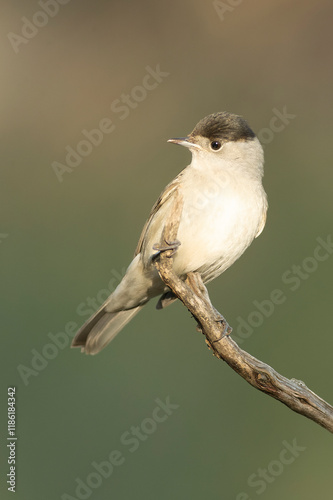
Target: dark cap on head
x: 224, y: 125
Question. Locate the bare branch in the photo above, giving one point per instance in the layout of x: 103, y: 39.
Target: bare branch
x: 192, y: 292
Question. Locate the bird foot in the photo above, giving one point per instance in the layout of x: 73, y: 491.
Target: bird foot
x: 169, y: 245
x: 226, y: 328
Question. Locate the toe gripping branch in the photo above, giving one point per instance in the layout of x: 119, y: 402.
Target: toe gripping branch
x: 169, y: 245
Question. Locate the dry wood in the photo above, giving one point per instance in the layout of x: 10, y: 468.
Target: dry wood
x: 192, y: 292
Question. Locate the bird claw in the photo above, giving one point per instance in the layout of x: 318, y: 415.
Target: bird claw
x: 170, y: 245
x: 226, y: 328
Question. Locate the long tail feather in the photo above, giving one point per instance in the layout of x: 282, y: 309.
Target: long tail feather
x: 99, y: 330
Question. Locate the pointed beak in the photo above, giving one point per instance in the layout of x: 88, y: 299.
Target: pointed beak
x: 184, y: 141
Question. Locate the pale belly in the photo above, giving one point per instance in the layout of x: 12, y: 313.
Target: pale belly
x: 216, y: 233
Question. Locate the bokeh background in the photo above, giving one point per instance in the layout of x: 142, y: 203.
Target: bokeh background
x: 63, y: 243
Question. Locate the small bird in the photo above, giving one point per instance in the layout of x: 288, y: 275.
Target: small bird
x: 224, y: 209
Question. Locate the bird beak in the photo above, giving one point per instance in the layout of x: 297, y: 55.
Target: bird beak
x: 184, y: 141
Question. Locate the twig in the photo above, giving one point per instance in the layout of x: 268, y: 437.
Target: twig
x: 293, y: 393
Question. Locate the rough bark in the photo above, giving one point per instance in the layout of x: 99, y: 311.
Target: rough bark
x: 192, y: 292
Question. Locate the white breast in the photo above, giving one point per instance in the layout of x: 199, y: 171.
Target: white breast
x: 221, y: 216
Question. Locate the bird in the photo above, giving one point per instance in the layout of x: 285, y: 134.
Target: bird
x: 224, y: 209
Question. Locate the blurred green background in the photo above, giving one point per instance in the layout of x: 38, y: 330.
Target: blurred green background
x: 63, y: 242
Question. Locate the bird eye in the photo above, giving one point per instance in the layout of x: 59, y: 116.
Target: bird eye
x: 215, y: 145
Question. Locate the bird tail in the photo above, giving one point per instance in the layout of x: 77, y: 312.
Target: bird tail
x: 101, y: 328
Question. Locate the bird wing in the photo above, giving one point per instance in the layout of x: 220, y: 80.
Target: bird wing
x: 165, y: 196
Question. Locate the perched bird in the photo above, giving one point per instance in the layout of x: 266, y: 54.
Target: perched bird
x: 224, y: 209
